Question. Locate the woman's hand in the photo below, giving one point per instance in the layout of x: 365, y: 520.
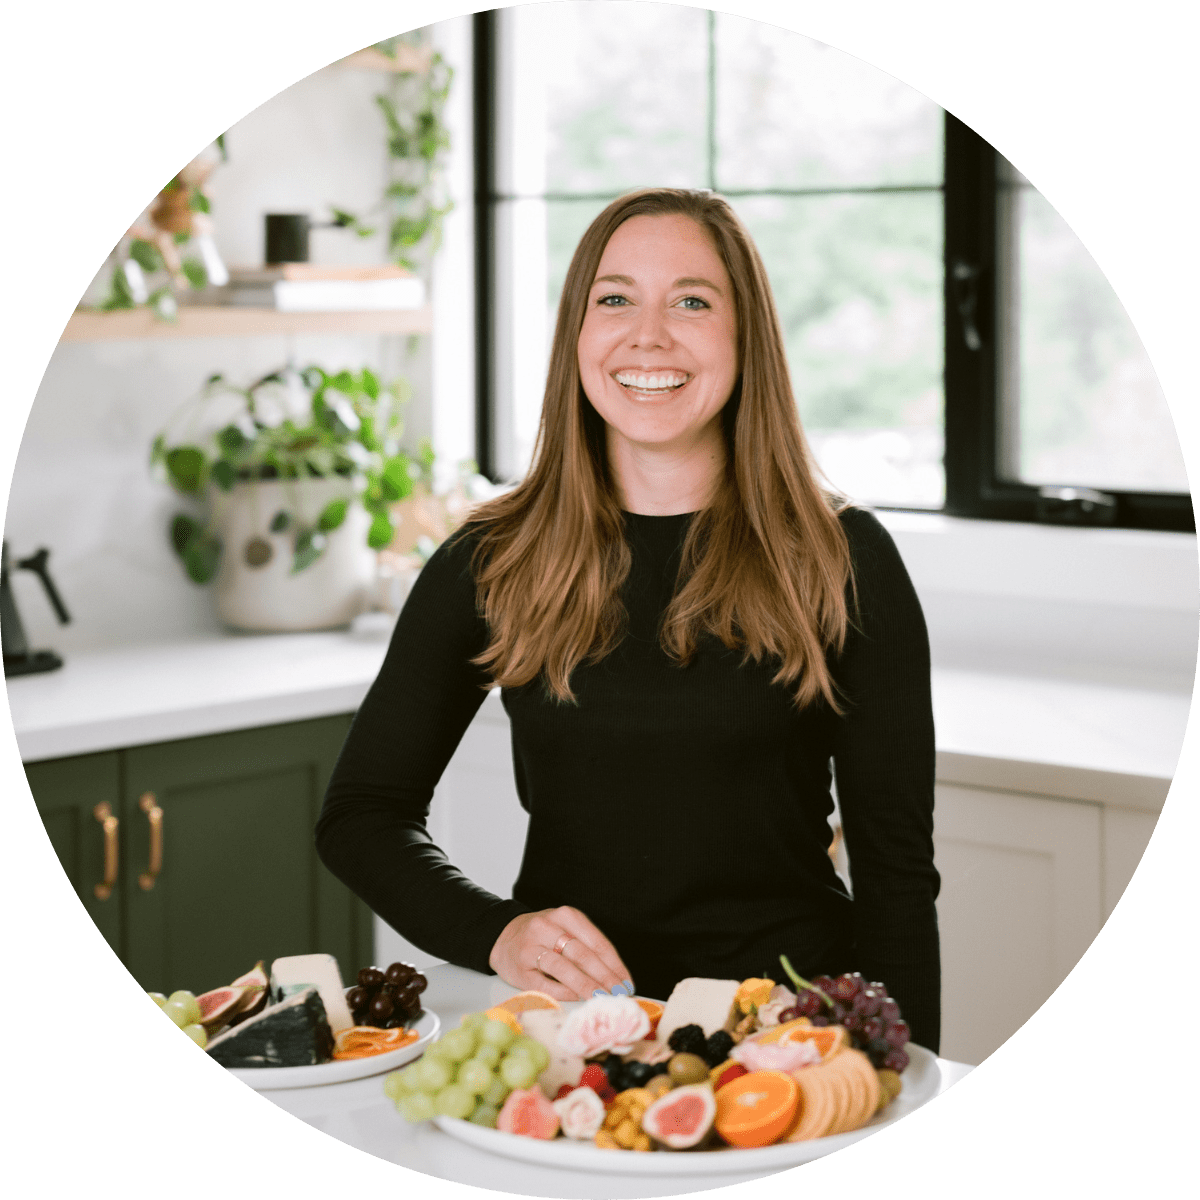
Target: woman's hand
x: 560, y: 952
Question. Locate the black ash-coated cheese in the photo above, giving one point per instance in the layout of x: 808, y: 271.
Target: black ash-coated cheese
x: 294, y: 1033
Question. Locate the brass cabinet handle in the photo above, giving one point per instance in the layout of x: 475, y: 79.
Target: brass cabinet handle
x: 104, y: 814
x: 154, y: 814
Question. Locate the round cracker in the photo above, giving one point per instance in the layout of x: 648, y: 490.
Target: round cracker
x: 816, y: 1106
x: 860, y: 1076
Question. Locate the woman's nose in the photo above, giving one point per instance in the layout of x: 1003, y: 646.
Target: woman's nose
x: 651, y: 330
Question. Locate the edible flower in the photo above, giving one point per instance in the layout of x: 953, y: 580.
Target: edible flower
x: 752, y: 993
x: 775, y: 1056
x: 604, y: 1023
x: 580, y: 1113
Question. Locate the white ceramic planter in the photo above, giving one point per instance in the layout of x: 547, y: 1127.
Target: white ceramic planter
x: 326, y: 594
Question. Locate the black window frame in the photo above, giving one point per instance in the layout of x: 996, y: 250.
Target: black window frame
x: 973, y: 419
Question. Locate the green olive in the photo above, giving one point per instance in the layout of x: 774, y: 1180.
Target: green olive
x: 659, y: 1085
x: 687, y: 1068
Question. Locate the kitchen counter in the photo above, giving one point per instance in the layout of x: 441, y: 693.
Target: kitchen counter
x: 360, y: 1115
x: 1064, y: 738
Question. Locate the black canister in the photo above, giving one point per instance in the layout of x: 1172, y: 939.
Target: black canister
x: 287, y: 238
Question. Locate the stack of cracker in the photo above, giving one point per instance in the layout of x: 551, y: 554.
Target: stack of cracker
x: 838, y: 1095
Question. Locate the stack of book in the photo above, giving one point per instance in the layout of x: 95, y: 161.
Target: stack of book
x: 306, y: 287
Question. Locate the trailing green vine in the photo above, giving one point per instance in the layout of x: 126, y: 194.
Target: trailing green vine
x: 414, y: 201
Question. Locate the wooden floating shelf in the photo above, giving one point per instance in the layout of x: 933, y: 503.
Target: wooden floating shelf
x: 229, y: 321
x: 408, y: 58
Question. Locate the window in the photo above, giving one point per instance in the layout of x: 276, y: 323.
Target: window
x: 952, y: 346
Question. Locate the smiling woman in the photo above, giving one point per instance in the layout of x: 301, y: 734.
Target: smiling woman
x: 687, y: 630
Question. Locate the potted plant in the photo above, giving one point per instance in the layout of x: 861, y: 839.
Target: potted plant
x: 291, y: 483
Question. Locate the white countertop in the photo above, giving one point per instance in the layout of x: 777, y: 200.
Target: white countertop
x: 360, y: 1115
x: 1062, y: 738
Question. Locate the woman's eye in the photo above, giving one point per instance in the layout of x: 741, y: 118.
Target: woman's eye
x: 612, y: 301
x: 694, y: 303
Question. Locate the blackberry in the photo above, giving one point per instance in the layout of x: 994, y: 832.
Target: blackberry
x: 688, y: 1039
x: 716, y: 1049
x: 637, y: 1074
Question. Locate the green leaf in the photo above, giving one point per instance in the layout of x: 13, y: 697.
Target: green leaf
x: 201, y: 557
x: 396, y: 482
x: 224, y: 474
x: 370, y: 383
x: 185, y: 468
x: 365, y: 231
x: 163, y: 303
x: 380, y: 535
x: 221, y: 147
x: 197, y: 276
x: 198, y: 201
x: 332, y: 515
x: 342, y: 218
x: 183, y: 530
x: 120, y: 295
x: 280, y: 521
x: 180, y: 238
x: 145, y: 254
x: 425, y: 455
x: 231, y: 439
x: 309, y: 546
x: 366, y: 434
x: 343, y: 381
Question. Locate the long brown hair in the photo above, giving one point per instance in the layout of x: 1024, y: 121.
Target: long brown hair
x: 764, y: 566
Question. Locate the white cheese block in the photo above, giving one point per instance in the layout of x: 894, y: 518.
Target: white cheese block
x: 300, y: 971
x: 704, y: 1002
x: 543, y: 1024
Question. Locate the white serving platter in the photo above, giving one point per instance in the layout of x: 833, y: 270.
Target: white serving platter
x: 921, y: 1079
x: 266, y: 1079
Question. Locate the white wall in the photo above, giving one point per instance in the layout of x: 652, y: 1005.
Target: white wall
x: 81, y: 484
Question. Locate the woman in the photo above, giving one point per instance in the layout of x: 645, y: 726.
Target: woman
x: 687, y: 630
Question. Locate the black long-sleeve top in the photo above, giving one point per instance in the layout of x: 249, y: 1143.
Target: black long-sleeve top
x: 683, y: 809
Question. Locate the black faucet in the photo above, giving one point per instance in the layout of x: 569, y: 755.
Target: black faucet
x: 18, y: 658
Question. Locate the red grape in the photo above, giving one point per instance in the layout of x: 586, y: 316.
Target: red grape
x: 809, y: 1004
x: 867, y: 1003
x: 889, y: 1010
x: 897, y: 1034
x: 789, y: 1014
x: 896, y: 1060
x: 845, y: 987
x: 872, y: 1028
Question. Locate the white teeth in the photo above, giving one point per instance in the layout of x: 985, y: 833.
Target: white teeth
x: 651, y: 383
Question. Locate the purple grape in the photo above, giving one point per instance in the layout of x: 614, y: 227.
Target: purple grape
x: 370, y: 977
x: 873, y: 1028
x: 867, y: 1003
x: 897, y: 1035
x: 357, y: 998
x: 853, y: 1022
x: 808, y: 1004
x: 845, y: 988
x: 878, y: 989
x: 838, y: 1012
x: 417, y: 983
x: 820, y: 1021
x: 823, y: 983
x: 889, y: 1010
x: 896, y: 1060
x: 789, y: 1014
x: 381, y: 1008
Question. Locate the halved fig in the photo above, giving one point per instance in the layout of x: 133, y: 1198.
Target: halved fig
x: 217, y: 1006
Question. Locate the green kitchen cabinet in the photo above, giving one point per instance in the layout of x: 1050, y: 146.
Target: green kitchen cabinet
x: 76, y: 798
x: 217, y: 864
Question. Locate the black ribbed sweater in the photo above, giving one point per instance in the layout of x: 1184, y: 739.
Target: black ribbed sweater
x: 683, y: 809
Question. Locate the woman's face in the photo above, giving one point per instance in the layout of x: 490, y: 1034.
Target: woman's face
x: 658, y: 348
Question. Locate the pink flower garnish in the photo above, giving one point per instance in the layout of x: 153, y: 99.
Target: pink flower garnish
x: 580, y: 1113
x: 604, y: 1023
x: 775, y: 1056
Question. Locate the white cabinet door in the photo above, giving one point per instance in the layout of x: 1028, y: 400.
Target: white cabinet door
x: 1021, y: 900
x: 1126, y: 835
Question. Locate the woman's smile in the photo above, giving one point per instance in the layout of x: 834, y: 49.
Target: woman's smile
x: 651, y: 383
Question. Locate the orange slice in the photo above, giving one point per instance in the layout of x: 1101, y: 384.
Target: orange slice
x: 365, y: 1041
x: 653, y: 1010
x: 502, y: 1014
x: 757, y: 1109
x: 829, y: 1039
x: 524, y: 1001
x: 774, y: 1032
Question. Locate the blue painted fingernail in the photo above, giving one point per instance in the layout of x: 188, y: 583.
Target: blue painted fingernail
x: 599, y: 992
x: 623, y: 989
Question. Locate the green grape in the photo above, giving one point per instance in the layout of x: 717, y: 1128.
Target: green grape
x: 393, y: 1086
x: 474, y: 1021
x: 158, y: 998
x: 475, y: 1076
x: 485, y: 1114
x: 409, y: 1078
x: 532, y: 1049
x: 459, y: 1044
x: 433, y: 1075
x: 181, y: 1014
x: 518, y: 1072
x: 485, y: 1052
x: 197, y: 1033
x: 497, y: 1033
x: 497, y: 1092
x: 454, y: 1101
x: 438, y: 1050
x: 188, y: 1001
x: 416, y: 1107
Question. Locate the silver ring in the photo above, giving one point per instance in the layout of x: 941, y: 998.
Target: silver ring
x: 538, y: 961
x: 561, y: 944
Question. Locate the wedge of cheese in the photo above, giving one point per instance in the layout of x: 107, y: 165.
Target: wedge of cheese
x: 292, y: 975
x: 708, y: 1003
x: 543, y: 1024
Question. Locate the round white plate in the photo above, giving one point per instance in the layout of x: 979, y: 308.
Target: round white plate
x: 266, y: 1079
x: 921, y: 1079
